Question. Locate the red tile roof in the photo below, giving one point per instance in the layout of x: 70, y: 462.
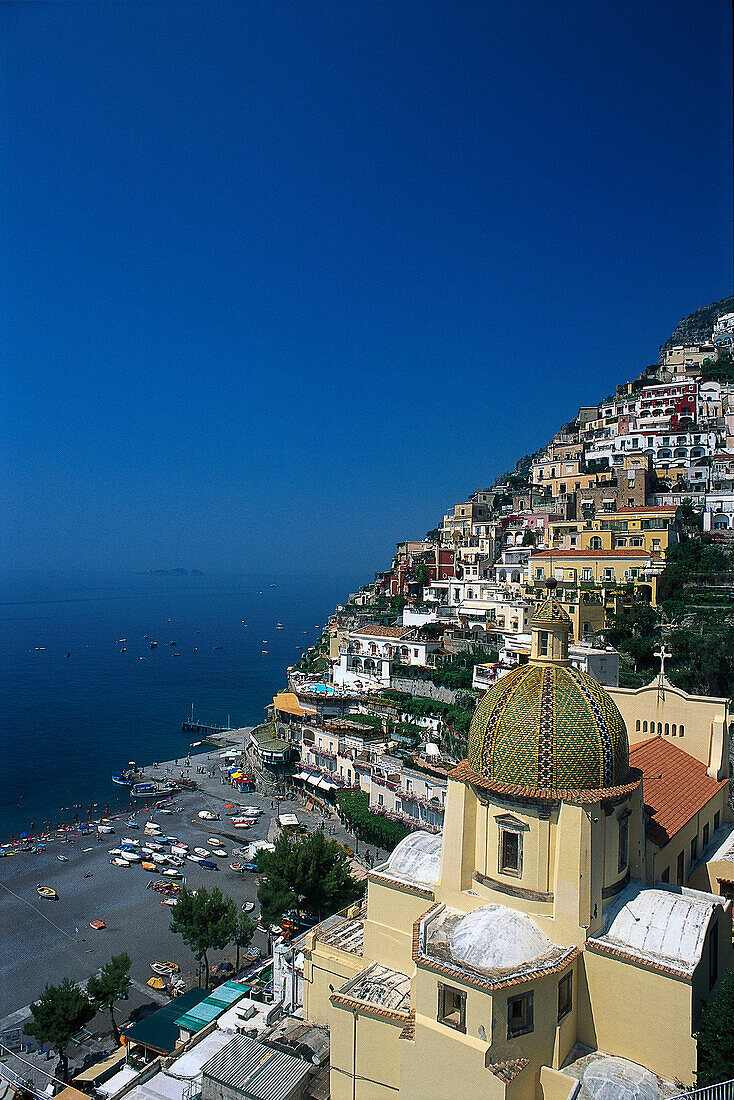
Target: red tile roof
x: 377, y: 631
x: 675, y: 786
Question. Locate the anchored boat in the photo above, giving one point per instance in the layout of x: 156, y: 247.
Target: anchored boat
x: 47, y: 892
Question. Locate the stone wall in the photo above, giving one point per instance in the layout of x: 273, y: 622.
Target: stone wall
x: 426, y: 689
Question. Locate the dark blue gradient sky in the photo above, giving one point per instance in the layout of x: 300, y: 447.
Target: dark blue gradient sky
x: 281, y: 281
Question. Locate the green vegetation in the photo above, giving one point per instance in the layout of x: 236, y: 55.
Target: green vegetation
x: 205, y: 921
x: 242, y: 933
x: 108, y: 985
x: 715, y: 1037
x: 695, y: 619
x: 57, y: 1016
x: 306, y: 873
x: 314, y: 660
x: 720, y: 369
x: 455, y: 673
x: 456, y: 717
x: 374, y: 828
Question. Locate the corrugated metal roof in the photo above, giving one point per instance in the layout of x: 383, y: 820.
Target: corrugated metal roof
x: 256, y: 1070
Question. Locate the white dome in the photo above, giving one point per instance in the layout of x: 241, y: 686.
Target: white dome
x: 491, y: 939
x: 612, y: 1078
x: 416, y: 859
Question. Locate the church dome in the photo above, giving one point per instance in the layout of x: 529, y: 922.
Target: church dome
x: 548, y: 725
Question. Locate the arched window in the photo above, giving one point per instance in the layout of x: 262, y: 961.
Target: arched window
x: 660, y: 727
x: 667, y: 729
x: 595, y: 543
x: 638, y: 724
x: 681, y: 731
x: 675, y: 729
x: 644, y: 727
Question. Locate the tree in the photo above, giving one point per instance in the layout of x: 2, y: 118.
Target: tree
x: 421, y: 573
x: 244, y: 930
x: 309, y: 872
x: 57, y: 1016
x: 715, y: 1037
x: 111, y: 983
x: 205, y: 922
x: 528, y: 538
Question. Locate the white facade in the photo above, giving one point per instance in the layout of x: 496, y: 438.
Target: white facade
x: 602, y: 664
x: 367, y: 656
x: 719, y: 512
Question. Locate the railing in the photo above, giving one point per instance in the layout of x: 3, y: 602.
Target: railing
x: 722, y: 1091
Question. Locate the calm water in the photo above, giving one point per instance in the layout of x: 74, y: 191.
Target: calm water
x: 69, y: 721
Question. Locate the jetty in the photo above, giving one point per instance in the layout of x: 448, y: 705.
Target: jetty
x: 203, y: 729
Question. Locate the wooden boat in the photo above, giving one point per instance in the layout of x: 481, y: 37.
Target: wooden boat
x: 120, y: 862
x: 160, y: 968
x: 195, y: 859
x: 151, y: 790
x: 236, y: 867
x: 172, y: 872
x: 213, y: 840
x: 98, y: 924
x: 208, y: 865
x: 248, y: 906
x: 201, y: 852
x: 220, y: 853
x: 63, y: 859
x: 47, y: 892
x: 148, y: 866
x: 207, y: 815
x: 170, y: 902
x: 105, y: 829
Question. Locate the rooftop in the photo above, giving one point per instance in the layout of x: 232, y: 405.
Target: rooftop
x: 664, y: 926
x: 256, y: 1070
x: 492, y: 941
x: 347, y: 934
x: 198, y: 1016
x: 675, y: 786
x: 377, y: 631
x: 160, y: 1030
x: 379, y: 986
x: 415, y: 861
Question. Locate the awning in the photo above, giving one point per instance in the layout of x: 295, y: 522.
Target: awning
x: 301, y: 775
x: 314, y: 779
x: 327, y: 785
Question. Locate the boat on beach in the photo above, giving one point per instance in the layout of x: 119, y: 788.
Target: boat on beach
x: 63, y: 859
x: 151, y: 789
x: 97, y: 924
x: 201, y: 852
x: 47, y: 892
x: 148, y: 866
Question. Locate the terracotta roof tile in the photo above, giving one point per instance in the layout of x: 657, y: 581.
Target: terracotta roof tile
x: 675, y: 786
x: 508, y: 1071
x: 375, y: 630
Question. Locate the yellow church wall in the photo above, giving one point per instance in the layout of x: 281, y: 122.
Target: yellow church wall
x: 388, y: 927
x: 619, y: 1023
x: 365, y: 1047
x: 555, y: 1085
x: 458, y: 848
x: 706, y: 876
x: 648, y: 711
x: 324, y: 966
x: 694, y: 873
x: 441, y: 1063
x: 701, y: 988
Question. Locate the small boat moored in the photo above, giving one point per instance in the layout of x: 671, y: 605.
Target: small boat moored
x: 97, y: 924
x: 47, y: 892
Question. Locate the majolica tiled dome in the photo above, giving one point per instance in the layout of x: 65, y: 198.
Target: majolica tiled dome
x: 548, y: 725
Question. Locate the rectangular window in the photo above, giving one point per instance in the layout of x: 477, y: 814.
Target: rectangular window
x: 680, y: 869
x: 694, y: 850
x: 544, y: 643
x: 519, y: 1015
x: 451, y: 1007
x: 665, y: 877
x: 565, y: 995
x: 510, y: 852
x: 587, y: 575
x: 623, y: 843
x: 713, y: 954
x: 706, y: 835
x: 717, y: 818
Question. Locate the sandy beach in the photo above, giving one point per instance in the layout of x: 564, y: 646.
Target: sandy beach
x: 45, y: 941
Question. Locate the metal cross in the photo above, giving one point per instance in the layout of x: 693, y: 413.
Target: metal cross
x: 663, y: 654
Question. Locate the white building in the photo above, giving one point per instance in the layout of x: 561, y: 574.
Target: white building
x: 367, y: 655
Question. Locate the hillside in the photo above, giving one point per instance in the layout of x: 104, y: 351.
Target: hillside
x: 697, y: 326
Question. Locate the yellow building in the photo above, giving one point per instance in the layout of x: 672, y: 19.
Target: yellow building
x: 649, y: 529
x: 531, y: 945
x: 599, y: 567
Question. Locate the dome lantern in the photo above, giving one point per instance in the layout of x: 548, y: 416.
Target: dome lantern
x: 550, y: 627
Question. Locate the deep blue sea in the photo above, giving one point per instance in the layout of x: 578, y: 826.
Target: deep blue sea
x: 78, y: 704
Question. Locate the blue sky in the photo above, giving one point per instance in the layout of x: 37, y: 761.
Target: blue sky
x: 282, y: 281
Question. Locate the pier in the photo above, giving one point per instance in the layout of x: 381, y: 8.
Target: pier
x: 201, y: 728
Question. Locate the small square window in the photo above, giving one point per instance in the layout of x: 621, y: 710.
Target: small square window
x: 519, y: 1015
x: 451, y: 1007
x: 565, y: 995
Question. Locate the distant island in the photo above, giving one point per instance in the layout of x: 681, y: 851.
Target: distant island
x: 179, y: 572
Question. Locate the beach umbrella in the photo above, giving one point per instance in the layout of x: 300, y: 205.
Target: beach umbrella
x: 24, y: 836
